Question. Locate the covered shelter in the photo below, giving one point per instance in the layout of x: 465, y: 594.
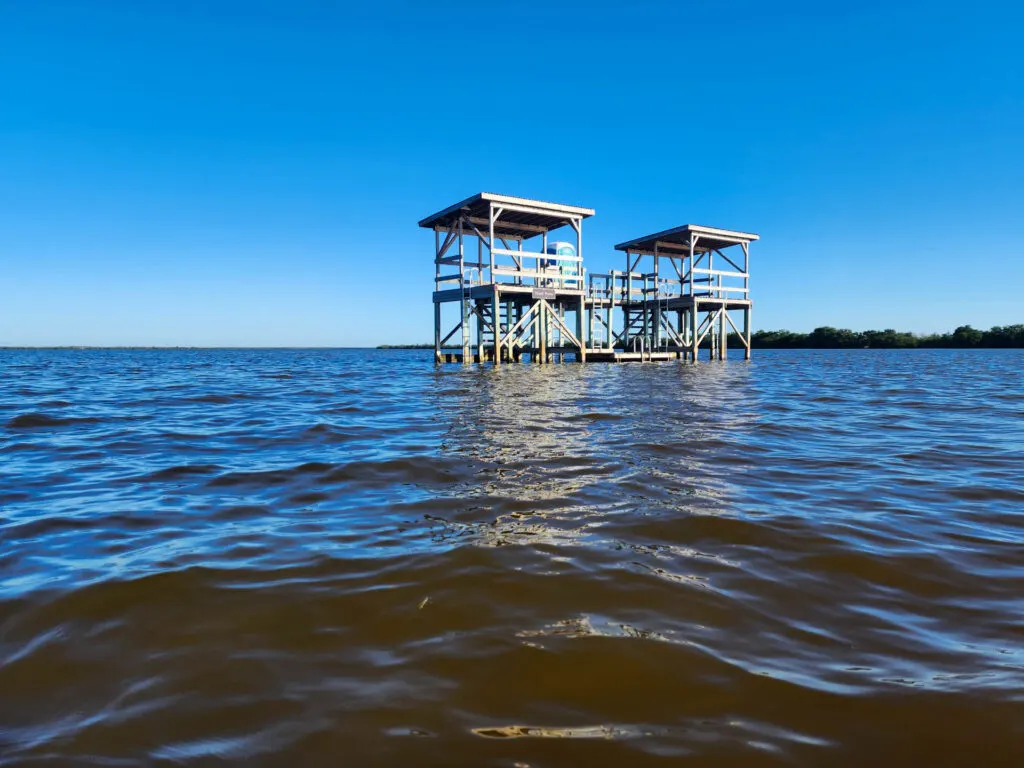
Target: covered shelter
x: 521, y: 297
x: 680, y: 287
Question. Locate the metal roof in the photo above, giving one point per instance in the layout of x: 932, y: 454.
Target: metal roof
x: 678, y: 239
x: 524, y: 216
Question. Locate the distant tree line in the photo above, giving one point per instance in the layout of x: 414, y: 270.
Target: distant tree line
x: 826, y: 337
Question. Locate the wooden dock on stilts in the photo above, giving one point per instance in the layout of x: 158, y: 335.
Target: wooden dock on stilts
x: 526, y: 304
x: 686, y: 297
x: 542, y: 306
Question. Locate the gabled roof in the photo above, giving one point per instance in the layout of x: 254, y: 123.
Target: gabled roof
x: 522, y: 216
x: 678, y: 240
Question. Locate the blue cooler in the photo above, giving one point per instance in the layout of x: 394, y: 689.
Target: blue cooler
x: 560, y: 248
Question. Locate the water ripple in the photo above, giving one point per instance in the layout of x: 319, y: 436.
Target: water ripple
x: 286, y: 557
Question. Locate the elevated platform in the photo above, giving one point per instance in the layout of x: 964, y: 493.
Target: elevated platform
x: 509, y: 291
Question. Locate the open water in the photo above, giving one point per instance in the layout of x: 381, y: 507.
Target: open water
x: 308, y: 557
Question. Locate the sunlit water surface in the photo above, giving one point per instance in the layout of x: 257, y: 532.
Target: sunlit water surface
x: 306, y: 557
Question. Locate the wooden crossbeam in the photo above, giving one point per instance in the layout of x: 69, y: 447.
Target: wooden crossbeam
x: 451, y: 333
x: 737, y: 330
x: 515, y: 328
x: 666, y: 325
x: 558, y: 321
x: 710, y: 319
x: 733, y: 263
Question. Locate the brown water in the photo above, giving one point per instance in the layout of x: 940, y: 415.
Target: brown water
x: 308, y: 558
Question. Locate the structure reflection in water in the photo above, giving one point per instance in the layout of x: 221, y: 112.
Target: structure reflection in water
x: 558, y: 452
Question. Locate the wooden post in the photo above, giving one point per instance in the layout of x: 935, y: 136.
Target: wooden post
x: 466, y: 296
x: 711, y: 269
x: 496, y: 310
x: 577, y: 224
x: 746, y: 331
x: 437, y: 332
x: 746, y: 270
x: 693, y: 331
x: 437, y: 287
x: 681, y: 327
x: 684, y: 332
x: 542, y: 321
x: 590, y: 315
x: 582, y: 357
x: 540, y: 262
x: 510, y: 322
x: 579, y: 330
x: 689, y: 288
x: 712, y: 333
x: 656, y: 314
x: 477, y: 313
x: 609, y: 337
x: 556, y: 332
x: 490, y: 241
x: 723, y: 346
x: 644, y: 330
x: 627, y: 298
x: 549, y: 332
x: 746, y: 295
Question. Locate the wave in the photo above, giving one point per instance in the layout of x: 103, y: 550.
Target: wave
x: 797, y: 561
x: 44, y: 420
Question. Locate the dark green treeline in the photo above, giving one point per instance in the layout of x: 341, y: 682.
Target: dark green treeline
x: 826, y: 337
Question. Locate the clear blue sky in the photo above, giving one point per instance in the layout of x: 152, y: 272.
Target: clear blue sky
x: 218, y: 173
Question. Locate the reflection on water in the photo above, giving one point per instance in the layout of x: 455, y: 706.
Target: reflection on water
x: 324, y: 557
x: 549, y: 441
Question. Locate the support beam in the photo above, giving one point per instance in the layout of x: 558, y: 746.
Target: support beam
x: 733, y: 263
x: 656, y: 319
x: 437, y: 332
x: 542, y: 319
x: 496, y: 317
x: 490, y: 239
x: 746, y: 331
x: 723, y: 341
x: 558, y: 324
x: 465, y: 330
x: 694, y: 338
x: 479, y: 334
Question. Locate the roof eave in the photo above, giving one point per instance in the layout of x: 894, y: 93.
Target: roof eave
x: 710, y: 232
x: 429, y: 221
x: 557, y: 211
